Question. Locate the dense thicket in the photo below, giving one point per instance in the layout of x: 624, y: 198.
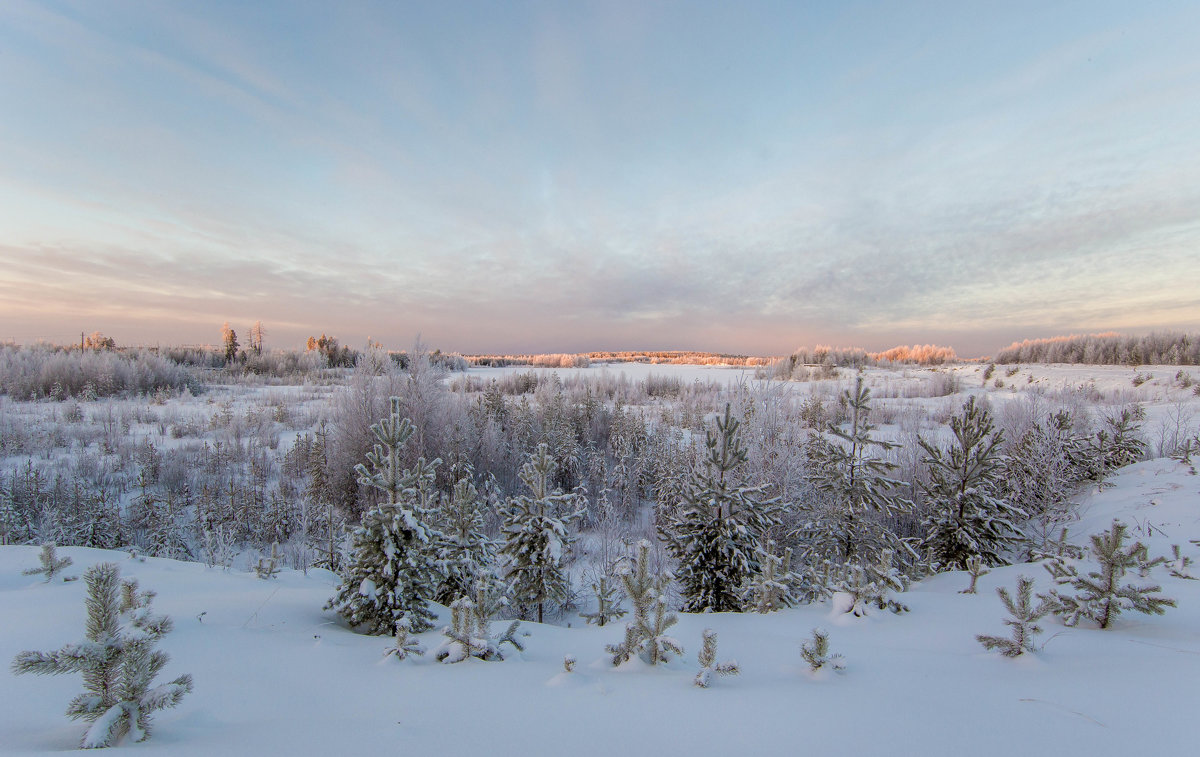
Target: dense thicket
x: 1106, y: 349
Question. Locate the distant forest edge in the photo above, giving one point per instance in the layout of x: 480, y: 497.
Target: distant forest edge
x: 1109, y: 348
x: 98, y: 367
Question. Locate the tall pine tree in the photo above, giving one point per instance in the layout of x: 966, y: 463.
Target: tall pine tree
x: 717, y: 534
x: 969, y: 516
x: 393, y: 571
x: 856, y: 491
x: 537, y: 535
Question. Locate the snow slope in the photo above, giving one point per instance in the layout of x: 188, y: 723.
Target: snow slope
x: 275, y: 674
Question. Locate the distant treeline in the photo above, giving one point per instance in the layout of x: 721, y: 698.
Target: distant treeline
x: 822, y: 361
x: 1106, y: 349
x: 584, y: 359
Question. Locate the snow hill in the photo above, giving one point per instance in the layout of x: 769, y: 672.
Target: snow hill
x: 275, y: 674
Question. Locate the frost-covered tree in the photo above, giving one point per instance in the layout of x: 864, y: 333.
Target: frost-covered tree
x: 968, y: 514
x: 406, y: 644
x: 1100, y: 596
x: 393, y: 571
x: 1023, y: 621
x: 975, y: 569
x: 229, y: 342
x: 608, y: 604
x: 1120, y: 442
x: 537, y: 536
x: 718, y: 531
x: 467, y: 553
x: 268, y: 565
x: 469, y: 634
x: 816, y: 652
x: 775, y: 586
x: 52, y: 564
x: 857, y: 588
x: 856, y: 490
x: 646, y: 635
x: 709, y: 666
x: 117, y: 659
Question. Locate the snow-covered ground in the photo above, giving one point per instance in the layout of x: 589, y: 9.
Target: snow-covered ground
x: 275, y: 674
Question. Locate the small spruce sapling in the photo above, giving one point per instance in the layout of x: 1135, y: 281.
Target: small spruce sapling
x: 52, y: 564
x: 469, y: 633
x: 708, y: 661
x: 608, y: 604
x: 406, y: 643
x: 1023, y: 621
x: 816, y: 652
x: 117, y: 659
x: 975, y: 569
x: 1100, y: 595
x: 774, y: 588
x: 646, y: 635
x: 1180, y: 564
x: 268, y: 567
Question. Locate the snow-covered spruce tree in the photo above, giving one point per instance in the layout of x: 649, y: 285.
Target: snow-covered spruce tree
x: 608, y: 604
x: 1023, y: 621
x: 406, y: 644
x: 646, y: 635
x: 52, y: 564
x: 393, y: 571
x: 856, y: 491
x: 816, y: 652
x: 117, y: 659
x: 467, y: 553
x: 470, y: 635
x: 268, y: 565
x: 975, y: 569
x: 708, y: 661
x: 718, y: 531
x: 1120, y: 442
x: 1180, y: 565
x: 537, y: 535
x: 856, y: 588
x: 775, y: 586
x: 968, y: 515
x: 1100, y: 595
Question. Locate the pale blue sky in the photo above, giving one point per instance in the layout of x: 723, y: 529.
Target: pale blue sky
x: 554, y: 176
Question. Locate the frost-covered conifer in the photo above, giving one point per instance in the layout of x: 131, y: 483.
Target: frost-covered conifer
x: 775, y: 587
x: 1100, y: 595
x: 1120, y: 443
x: 468, y: 555
x: 405, y: 644
x: 608, y: 604
x: 537, y: 536
x: 975, y: 569
x: 393, y: 571
x: 469, y: 634
x: 718, y: 531
x: 268, y: 566
x: 646, y: 635
x: 855, y: 487
x: 1023, y: 621
x: 1180, y: 564
x: 968, y: 514
x: 856, y: 588
x: 708, y: 661
x: 117, y: 659
x: 816, y: 652
x: 52, y: 564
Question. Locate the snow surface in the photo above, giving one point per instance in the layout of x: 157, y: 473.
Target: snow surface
x: 275, y: 674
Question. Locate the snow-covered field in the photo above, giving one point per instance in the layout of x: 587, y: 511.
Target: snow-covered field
x: 274, y: 674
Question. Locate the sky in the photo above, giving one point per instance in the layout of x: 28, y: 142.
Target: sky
x: 743, y: 177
